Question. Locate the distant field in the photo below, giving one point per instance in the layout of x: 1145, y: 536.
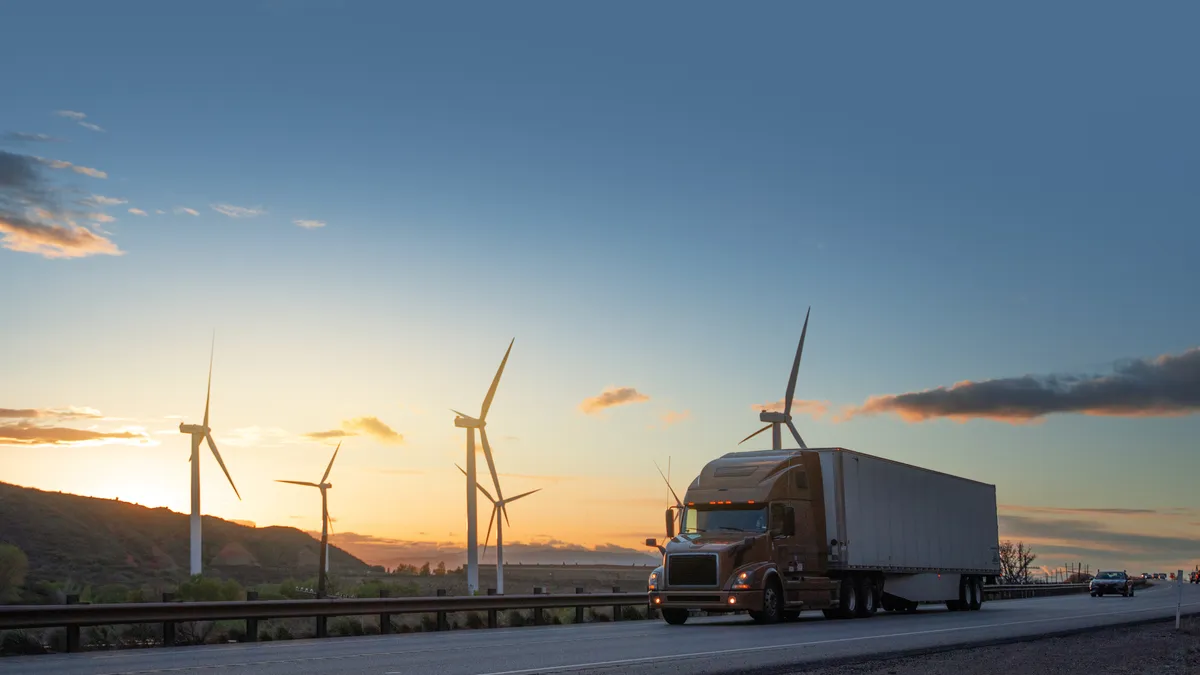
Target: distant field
x: 523, y: 579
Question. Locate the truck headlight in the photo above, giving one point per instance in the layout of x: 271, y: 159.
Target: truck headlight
x: 742, y: 582
x: 652, y: 583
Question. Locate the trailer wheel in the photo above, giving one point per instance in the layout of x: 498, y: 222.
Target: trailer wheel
x: 848, y: 598
x: 886, y: 603
x: 867, y: 604
x: 976, y: 586
x: 675, y: 616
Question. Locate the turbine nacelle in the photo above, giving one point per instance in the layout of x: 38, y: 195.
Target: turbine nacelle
x: 194, y: 429
x: 466, y: 422
x: 774, y: 417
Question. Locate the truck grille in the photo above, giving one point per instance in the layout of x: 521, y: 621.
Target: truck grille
x: 691, y: 569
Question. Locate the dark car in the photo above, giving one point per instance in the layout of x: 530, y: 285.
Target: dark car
x: 1111, y: 583
x: 1195, y: 578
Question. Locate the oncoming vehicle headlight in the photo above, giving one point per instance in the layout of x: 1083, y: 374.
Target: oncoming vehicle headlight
x: 652, y: 584
x: 742, y: 582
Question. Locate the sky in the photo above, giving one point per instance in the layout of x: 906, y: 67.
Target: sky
x: 990, y: 210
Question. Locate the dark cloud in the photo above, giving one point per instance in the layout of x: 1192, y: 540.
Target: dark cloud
x: 1081, y: 511
x: 35, y: 413
x: 612, y: 397
x: 1166, y: 386
x: 32, y: 219
x: 1095, y: 543
x: 22, y: 433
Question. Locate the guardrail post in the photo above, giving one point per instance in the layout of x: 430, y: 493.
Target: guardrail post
x: 616, y: 608
x: 579, y: 609
x: 385, y: 619
x: 251, y: 623
x: 72, y: 631
x: 538, y: 618
x: 491, y: 612
x: 168, y: 627
x: 441, y: 616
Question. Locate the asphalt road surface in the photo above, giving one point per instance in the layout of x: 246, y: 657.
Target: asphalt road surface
x: 712, y: 646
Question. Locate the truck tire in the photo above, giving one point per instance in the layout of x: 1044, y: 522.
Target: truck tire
x: 675, y: 616
x: 772, y: 611
x: 848, y: 598
x: 867, y: 605
x: 963, y: 602
x: 976, y: 588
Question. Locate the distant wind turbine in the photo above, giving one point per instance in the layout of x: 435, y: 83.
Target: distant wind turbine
x: 678, y: 503
x: 323, y: 565
x: 498, y: 505
x: 201, y: 433
x: 775, y: 420
x: 469, y: 423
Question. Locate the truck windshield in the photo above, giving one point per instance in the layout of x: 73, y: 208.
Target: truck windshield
x: 1109, y: 575
x: 725, y: 519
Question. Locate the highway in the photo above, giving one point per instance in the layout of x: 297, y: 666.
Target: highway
x: 712, y: 646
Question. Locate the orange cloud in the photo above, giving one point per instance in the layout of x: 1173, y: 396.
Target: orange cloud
x: 22, y: 433
x: 816, y: 409
x: 372, y: 426
x: 1166, y: 386
x: 611, y: 397
x: 671, y: 417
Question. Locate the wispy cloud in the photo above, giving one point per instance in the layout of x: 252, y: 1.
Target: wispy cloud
x: 611, y: 397
x: 161, y: 212
x: 237, y: 211
x: 816, y: 409
x: 79, y: 118
x: 1166, y: 386
x: 1094, y: 541
x: 1076, y: 511
x: 26, y: 137
x: 32, y: 218
x: 137, y: 212
x: 101, y: 217
x: 63, y: 164
x: 372, y: 426
x: 309, y: 224
x: 50, y: 413
x: 671, y: 417
x: 101, y: 200
x: 23, y: 433
x: 183, y: 210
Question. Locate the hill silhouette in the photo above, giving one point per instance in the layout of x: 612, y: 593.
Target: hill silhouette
x: 103, y: 541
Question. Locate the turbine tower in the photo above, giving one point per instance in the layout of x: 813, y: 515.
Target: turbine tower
x: 498, y: 505
x: 201, y: 433
x: 469, y: 423
x: 775, y: 420
x: 323, y: 565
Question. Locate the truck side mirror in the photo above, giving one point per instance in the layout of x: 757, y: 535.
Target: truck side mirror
x: 651, y: 541
x: 670, y: 523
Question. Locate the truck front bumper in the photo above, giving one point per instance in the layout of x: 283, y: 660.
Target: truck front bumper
x: 708, y: 601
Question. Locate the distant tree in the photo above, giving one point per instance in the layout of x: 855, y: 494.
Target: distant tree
x: 424, y: 570
x: 1015, y: 561
x: 13, y: 568
x: 440, y: 570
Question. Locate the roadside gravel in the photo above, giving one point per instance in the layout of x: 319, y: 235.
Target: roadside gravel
x: 1151, y: 649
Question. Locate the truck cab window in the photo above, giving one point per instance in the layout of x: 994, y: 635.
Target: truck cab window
x: 724, y: 518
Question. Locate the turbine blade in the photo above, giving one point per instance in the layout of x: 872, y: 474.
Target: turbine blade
x: 208, y: 396
x: 213, y: 446
x: 328, y: 468
x: 489, y: 532
x: 487, y: 402
x: 299, y: 482
x: 329, y: 522
x: 523, y: 494
x: 678, y: 502
x: 487, y: 453
x: 754, y: 434
x: 459, y: 414
x: 481, y: 488
x: 797, y: 435
x: 791, y: 388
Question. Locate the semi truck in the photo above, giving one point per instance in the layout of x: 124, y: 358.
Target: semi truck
x: 777, y: 532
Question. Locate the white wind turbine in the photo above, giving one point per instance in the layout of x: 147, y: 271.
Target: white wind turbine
x: 201, y: 433
x: 498, y: 505
x: 678, y: 503
x: 469, y: 423
x: 775, y: 420
x: 323, y: 565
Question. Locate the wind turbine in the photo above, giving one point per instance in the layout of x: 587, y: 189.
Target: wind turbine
x: 498, y: 505
x: 323, y: 570
x: 775, y: 420
x: 678, y: 502
x: 201, y: 433
x: 469, y: 423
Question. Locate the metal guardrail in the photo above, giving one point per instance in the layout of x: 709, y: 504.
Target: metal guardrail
x: 74, y: 616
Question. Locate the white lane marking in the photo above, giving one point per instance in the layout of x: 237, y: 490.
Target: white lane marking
x: 792, y: 645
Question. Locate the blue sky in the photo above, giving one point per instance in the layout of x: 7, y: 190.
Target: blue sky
x: 644, y: 196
